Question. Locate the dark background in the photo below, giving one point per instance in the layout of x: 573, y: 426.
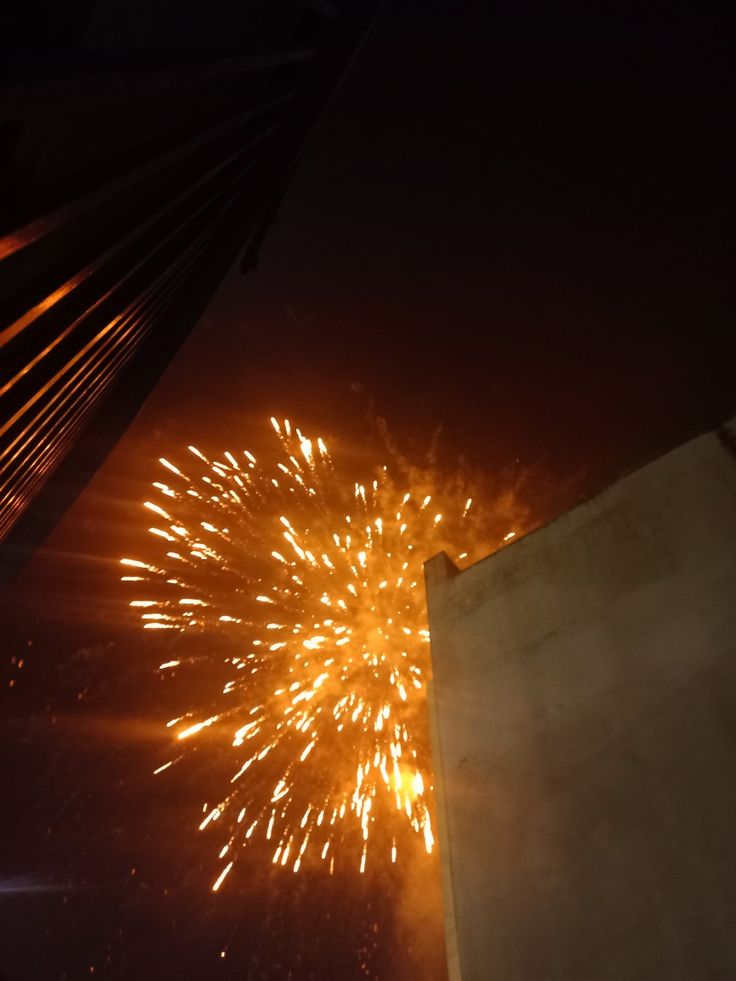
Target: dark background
x: 513, y: 222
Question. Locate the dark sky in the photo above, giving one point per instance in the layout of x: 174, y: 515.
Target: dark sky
x: 514, y: 222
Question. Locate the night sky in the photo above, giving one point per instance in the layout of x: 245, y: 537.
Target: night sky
x: 512, y: 225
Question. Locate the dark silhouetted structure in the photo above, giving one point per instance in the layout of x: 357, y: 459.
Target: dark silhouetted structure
x: 142, y: 147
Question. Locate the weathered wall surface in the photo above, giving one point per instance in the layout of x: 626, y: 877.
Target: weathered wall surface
x: 584, y: 726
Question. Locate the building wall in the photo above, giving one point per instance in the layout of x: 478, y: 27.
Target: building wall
x: 584, y: 726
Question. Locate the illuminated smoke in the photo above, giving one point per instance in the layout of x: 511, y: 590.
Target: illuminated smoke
x: 319, y: 581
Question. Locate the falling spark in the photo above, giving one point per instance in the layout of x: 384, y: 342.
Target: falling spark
x: 319, y: 582
x: 221, y: 877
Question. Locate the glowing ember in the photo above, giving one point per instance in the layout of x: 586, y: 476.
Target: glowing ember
x: 320, y: 583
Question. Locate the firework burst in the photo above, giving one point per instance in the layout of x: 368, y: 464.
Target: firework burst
x: 318, y: 582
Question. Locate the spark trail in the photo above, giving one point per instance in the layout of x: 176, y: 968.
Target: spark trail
x: 318, y: 581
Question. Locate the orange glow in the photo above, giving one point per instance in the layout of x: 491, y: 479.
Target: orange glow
x: 319, y: 580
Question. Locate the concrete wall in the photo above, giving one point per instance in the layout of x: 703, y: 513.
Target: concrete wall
x: 584, y: 726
